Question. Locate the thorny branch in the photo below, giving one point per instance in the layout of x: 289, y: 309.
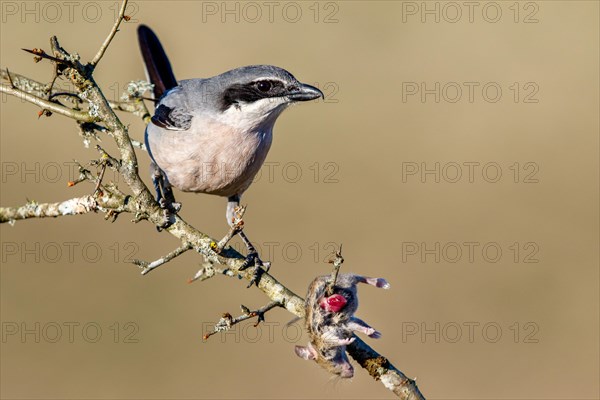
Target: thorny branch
x: 111, y: 35
x: 107, y: 198
x: 47, y: 104
x: 208, y: 271
x: 78, y: 205
x: 147, y: 267
x: 227, y: 321
x: 131, y: 101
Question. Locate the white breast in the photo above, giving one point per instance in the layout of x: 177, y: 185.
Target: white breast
x: 211, y: 158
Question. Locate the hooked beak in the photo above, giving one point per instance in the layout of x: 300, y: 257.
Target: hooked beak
x: 305, y: 93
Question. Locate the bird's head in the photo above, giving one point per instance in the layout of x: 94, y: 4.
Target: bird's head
x: 257, y: 94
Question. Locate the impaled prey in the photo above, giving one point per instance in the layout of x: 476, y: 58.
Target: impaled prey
x: 331, y: 323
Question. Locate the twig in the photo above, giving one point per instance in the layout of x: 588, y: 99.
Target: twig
x: 138, y: 144
x: 227, y: 321
x: 41, y: 54
x: 48, y: 105
x: 208, y: 271
x: 100, y: 177
x: 31, y: 86
x: 54, y: 78
x: 148, y: 267
x: 86, y: 175
x: 111, y: 35
x: 66, y: 94
x: 108, y: 159
x: 12, y: 84
x: 27, y: 85
x: 136, y: 107
x: 75, y: 206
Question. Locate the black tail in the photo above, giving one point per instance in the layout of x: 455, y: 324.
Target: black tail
x: 158, y: 67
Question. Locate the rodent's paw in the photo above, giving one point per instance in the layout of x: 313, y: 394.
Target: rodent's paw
x: 347, y: 341
x: 306, y: 352
x: 382, y: 283
x: 374, y: 334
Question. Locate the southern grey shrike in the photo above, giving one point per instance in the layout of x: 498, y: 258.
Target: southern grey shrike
x: 212, y: 135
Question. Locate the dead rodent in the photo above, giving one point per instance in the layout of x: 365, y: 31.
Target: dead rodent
x: 330, y: 321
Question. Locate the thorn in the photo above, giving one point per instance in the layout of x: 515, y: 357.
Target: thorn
x: 12, y: 84
x: 40, y: 54
x: 127, y: 18
x: 34, y: 51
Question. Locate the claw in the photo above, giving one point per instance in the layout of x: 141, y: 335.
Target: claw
x: 252, y: 259
x: 165, y: 198
x: 172, y: 206
x: 255, y: 277
x: 267, y: 265
x: 375, y: 334
x: 169, y: 211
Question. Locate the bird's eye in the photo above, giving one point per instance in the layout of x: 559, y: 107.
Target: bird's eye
x: 263, y: 86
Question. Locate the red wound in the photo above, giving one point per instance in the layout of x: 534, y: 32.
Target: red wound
x: 333, y: 303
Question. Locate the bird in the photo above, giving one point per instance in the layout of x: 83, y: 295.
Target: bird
x: 212, y: 135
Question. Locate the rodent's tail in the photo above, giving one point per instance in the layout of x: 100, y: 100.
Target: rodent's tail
x: 158, y: 67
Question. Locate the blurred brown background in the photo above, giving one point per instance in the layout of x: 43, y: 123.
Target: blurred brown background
x: 522, y: 323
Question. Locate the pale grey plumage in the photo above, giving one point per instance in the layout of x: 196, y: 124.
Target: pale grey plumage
x: 212, y: 135
x: 209, y: 147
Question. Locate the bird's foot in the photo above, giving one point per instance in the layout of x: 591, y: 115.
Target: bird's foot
x: 252, y: 259
x: 172, y: 206
x: 170, y: 209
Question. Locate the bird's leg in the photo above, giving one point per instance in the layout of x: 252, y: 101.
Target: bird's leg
x: 252, y: 254
x: 157, y: 182
x: 170, y: 197
x: 252, y: 258
x: 236, y: 225
x: 164, y: 193
x: 164, y: 197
